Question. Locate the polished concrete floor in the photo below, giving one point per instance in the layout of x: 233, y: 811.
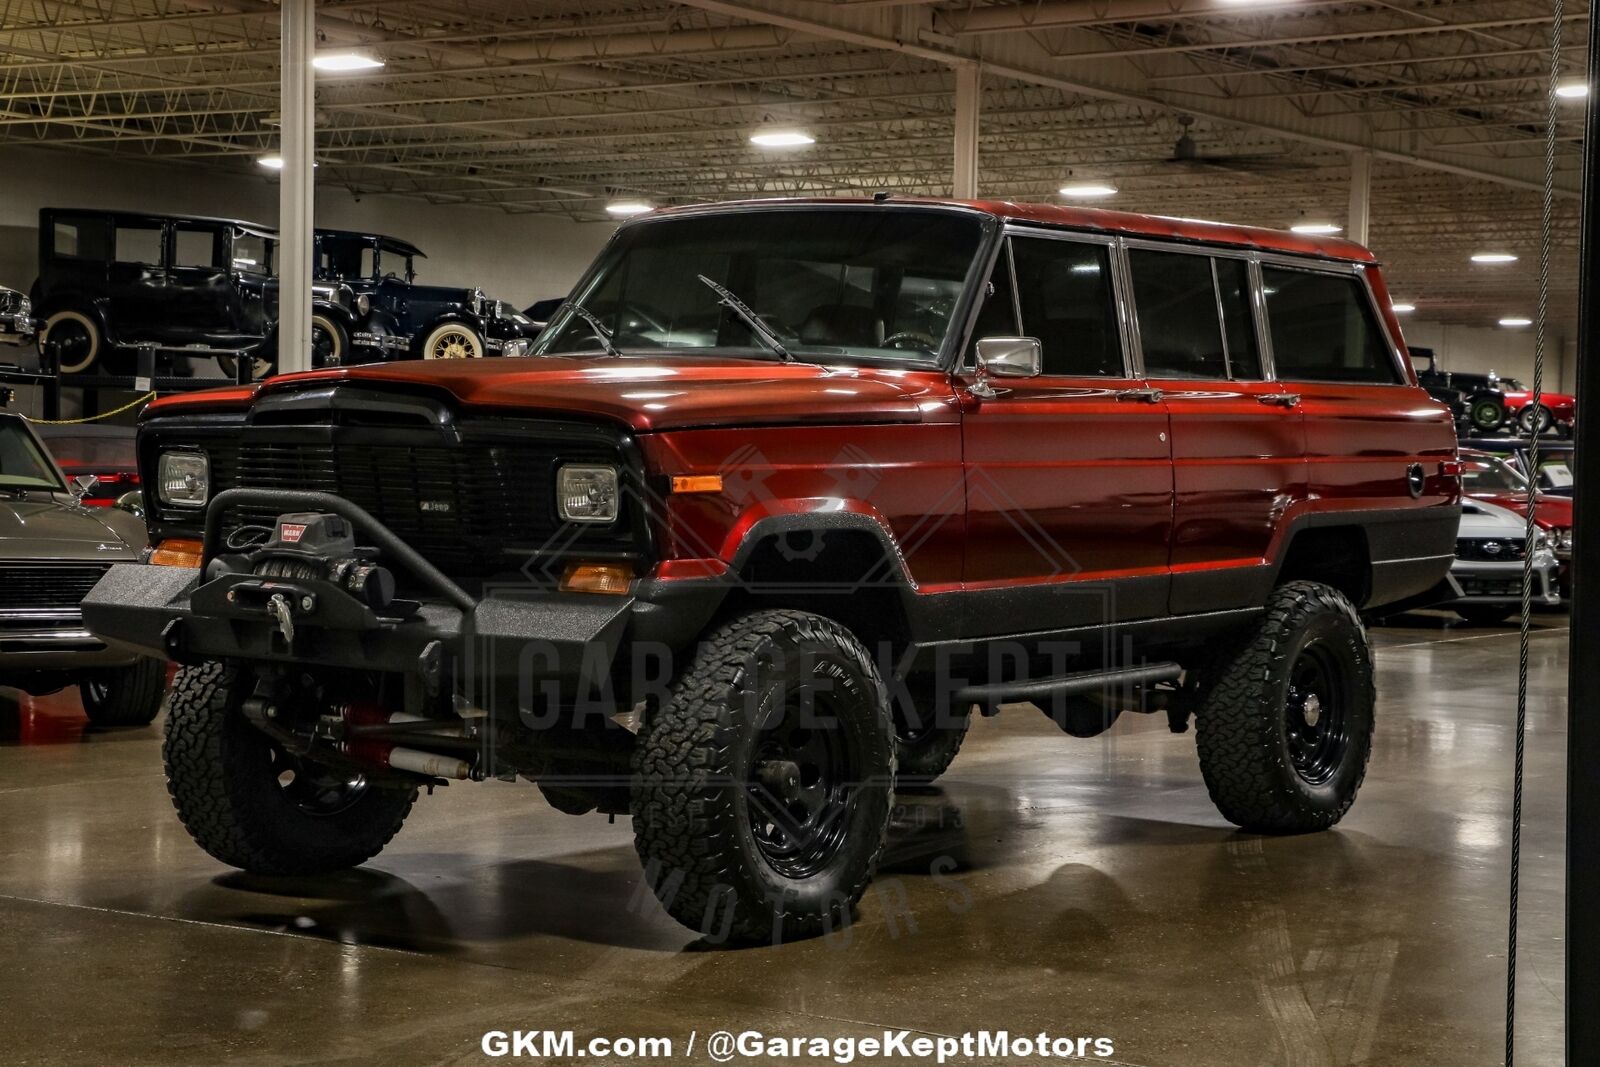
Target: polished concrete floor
x: 1083, y: 888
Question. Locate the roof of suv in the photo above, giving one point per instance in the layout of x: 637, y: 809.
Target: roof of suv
x: 1090, y: 219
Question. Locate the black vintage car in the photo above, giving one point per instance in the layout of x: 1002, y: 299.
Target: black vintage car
x: 393, y: 315
x: 52, y: 551
x: 1476, y: 400
x: 188, y: 285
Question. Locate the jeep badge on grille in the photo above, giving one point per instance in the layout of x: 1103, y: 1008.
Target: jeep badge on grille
x: 440, y: 506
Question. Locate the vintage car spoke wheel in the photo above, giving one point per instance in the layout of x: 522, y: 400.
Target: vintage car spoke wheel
x: 77, y: 340
x: 761, y: 797
x: 452, y: 341
x: 253, y: 805
x: 1284, y: 728
x: 328, y: 342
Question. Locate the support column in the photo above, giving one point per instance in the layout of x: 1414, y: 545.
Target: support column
x: 969, y: 89
x: 1360, y: 197
x: 295, y: 196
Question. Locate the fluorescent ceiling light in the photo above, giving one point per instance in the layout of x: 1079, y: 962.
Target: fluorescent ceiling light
x: 1321, y: 229
x: 782, y: 139
x: 1089, y: 190
x: 1573, y: 90
x: 271, y: 162
x: 624, y: 208
x: 345, y: 61
x: 1513, y: 320
x: 1403, y: 309
x: 1493, y: 257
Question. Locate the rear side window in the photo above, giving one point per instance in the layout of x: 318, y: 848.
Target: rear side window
x: 139, y: 244
x: 1323, y: 329
x: 1064, y: 290
x: 81, y: 238
x: 1194, y: 315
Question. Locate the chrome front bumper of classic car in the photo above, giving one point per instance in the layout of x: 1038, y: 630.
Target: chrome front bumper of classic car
x: 1478, y: 582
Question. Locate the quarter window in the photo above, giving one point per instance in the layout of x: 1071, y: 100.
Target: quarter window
x: 1064, y: 291
x: 1323, y: 329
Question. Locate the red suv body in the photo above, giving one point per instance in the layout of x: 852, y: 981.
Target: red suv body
x: 1007, y: 453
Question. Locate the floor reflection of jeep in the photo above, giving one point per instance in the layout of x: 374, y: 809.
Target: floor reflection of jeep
x: 787, y: 493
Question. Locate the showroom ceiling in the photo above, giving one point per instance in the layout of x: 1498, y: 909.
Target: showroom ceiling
x: 566, y: 107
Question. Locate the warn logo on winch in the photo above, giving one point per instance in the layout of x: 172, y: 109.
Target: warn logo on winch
x: 291, y: 532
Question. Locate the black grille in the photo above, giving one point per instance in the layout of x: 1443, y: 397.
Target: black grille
x: 473, y: 509
x: 34, y: 586
x: 1491, y: 549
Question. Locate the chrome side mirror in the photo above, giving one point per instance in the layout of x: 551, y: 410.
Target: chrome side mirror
x: 1006, y: 357
x: 83, y: 485
x: 132, y: 502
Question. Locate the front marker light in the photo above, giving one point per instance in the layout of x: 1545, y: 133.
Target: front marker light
x: 183, y: 479
x: 586, y: 494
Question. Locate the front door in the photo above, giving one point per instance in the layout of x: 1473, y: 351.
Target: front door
x: 137, y: 282
x: 1238, y: 455
x: 201, y: 283
x: 1069, y: 482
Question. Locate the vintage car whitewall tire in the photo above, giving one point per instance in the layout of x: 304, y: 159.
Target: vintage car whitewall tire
x: 84, y: 360
x: 452, y: 340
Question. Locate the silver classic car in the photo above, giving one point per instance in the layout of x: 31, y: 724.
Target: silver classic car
x: 52, y: 551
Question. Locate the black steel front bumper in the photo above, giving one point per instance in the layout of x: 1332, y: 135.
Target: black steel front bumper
x: 528, y: 635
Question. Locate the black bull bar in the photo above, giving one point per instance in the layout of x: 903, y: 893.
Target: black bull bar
x: 178, y: 614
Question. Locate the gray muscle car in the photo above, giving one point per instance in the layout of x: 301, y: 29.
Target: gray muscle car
x: 52, y: 551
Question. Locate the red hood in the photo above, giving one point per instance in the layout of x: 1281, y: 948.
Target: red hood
x: 647, y: 393
x: 1555, y: 512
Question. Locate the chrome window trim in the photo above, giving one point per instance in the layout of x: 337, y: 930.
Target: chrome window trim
x: 1260, y: 324
x: 1119, y: 302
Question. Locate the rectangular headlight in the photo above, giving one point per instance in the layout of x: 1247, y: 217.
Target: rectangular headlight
x: 183, y: 478
x: 586, y: 494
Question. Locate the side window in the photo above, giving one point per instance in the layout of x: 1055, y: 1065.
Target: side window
x: 1323, y: 329
x: 194, y: 246
x: 1176, y: 295
x: 138, y: 244
x: 1064, y: 290
x: 1238, y: 324
x: 81, y: 238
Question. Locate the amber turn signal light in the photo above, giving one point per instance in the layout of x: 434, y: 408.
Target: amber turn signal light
x: 609, y: 578
x: 177, y: 552
x: 697, y: 483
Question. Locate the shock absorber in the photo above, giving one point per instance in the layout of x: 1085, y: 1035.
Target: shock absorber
x: 385, y: 753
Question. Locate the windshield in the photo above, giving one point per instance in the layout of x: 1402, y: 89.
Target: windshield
x: 22, y: 464
x: 1490, y: 476
x: 827, y: 282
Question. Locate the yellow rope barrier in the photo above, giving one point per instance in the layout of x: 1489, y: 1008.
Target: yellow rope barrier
x: 146, y: 398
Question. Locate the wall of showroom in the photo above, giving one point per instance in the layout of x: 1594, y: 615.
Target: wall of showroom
x: 520, y: 258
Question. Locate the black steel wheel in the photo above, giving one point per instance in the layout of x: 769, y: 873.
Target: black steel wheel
x: 762, y: 786
x: 928, y: 732
x: 1285, y: 723
x: 1487, y: 413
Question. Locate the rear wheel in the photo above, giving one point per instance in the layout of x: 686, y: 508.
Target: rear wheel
x: 1285, y: 726
x: 77, y: 340
x: 926, y: 741
x: 254, y: 805
x: 124, y: 696
x: 1535, y: 419
x: 762, y: 787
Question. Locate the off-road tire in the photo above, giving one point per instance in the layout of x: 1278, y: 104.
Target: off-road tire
x: 921, y: 757
x: 692, y: 819
x: 226, y: 790
x: 124, y: 696
x: 1242, y: 728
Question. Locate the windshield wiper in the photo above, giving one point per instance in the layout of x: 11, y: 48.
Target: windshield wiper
x: 751, y: 319
x: 600, y: 332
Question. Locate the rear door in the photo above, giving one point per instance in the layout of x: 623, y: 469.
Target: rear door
x: 199, y: 281
x: 1069, y: 483
x: 1238, y: 451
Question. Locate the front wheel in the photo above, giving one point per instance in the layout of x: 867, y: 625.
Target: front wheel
x: 452, y: 340
x: 256, y: 806
x: 1487, y: 413
x: 762, y: 787
x: 77, y: 340
x: 124, y: 696
x: 1285, y: 727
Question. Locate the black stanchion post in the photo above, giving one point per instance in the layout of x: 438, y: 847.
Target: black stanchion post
x: 1583, y: 727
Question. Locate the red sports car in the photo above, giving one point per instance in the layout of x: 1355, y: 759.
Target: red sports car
x: 1487, y: 477
x: 1555, y: 409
